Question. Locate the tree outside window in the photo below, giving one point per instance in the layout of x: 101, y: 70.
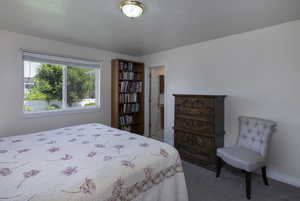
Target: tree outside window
x: 54, y: 87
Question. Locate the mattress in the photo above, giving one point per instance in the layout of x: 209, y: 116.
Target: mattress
x: 90, y: 162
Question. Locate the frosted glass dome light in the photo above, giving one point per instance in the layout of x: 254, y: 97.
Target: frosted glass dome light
x: 132, y: 8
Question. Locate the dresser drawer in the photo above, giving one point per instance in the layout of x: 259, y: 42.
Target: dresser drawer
x: 202, y: 158
x: 206, y: 114
x: 197, y: 107
x: 195, y: 102
x: 194, y: 124
x: 196, y: 149
x: 194, y: 144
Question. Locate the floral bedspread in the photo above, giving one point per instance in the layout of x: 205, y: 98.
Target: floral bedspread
x: 90, y: 162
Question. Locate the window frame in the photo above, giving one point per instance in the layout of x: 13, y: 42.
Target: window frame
x: 66, y: 110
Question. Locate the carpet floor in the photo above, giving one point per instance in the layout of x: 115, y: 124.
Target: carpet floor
x: 203, y: 185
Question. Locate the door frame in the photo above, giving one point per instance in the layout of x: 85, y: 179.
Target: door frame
x: 148, y: 100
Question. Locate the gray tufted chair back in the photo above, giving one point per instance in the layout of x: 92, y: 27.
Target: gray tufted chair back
x: 255, y: 134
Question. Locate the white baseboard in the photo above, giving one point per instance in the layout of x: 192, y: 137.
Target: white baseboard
x: 283, y: 178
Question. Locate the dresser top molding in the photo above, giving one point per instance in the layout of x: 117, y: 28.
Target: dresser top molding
x: 196, y: 95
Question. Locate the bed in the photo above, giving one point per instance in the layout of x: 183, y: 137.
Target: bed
x: 90, y: 162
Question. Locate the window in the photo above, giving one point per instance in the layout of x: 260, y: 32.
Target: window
x: 57, y: 84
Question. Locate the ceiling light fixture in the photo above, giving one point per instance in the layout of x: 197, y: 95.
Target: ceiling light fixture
x: 132, y: 8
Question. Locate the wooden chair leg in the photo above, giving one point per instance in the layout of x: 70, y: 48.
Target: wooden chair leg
x: 248, y: 185
x: 264, y: 175
x: 219, y: 166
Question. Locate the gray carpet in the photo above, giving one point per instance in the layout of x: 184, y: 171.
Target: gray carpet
x: 204, y: 186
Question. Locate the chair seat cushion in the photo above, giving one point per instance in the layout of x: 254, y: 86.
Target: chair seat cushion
x: 241, y: 158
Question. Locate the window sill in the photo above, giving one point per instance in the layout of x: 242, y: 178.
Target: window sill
x: 30, y: 115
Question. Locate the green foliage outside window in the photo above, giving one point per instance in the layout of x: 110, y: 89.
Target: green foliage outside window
x: 90, y: 104
x: 48, y: 81
x: 27, y: 108
x: 81, y: 84
x: 52, y: 107
x: 35, y: 94
x: 48, y: 84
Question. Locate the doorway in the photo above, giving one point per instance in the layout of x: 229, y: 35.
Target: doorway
x: 156, y: 102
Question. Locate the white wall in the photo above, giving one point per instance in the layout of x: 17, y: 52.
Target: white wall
x: 12, y: 121
x: 260, y: 73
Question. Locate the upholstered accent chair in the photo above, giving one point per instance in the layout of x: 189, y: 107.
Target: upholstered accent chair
x: 250, y: 152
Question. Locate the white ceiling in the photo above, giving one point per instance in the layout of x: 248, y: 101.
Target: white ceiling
x: 165, y: 24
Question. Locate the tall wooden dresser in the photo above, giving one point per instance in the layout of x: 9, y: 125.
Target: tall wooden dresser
x: 199, y: 128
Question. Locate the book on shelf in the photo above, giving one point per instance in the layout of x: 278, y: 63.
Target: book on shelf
x: 128, y: 98
x: 130, y: 108
x: 131, y: 87
x: 126, y: 66
x: 129, y: 76
x: 126, y: 120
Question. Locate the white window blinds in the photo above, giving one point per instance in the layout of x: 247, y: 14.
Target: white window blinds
x: 67, y: 61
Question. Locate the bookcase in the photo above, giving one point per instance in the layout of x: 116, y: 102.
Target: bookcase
x: 127, y: 104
